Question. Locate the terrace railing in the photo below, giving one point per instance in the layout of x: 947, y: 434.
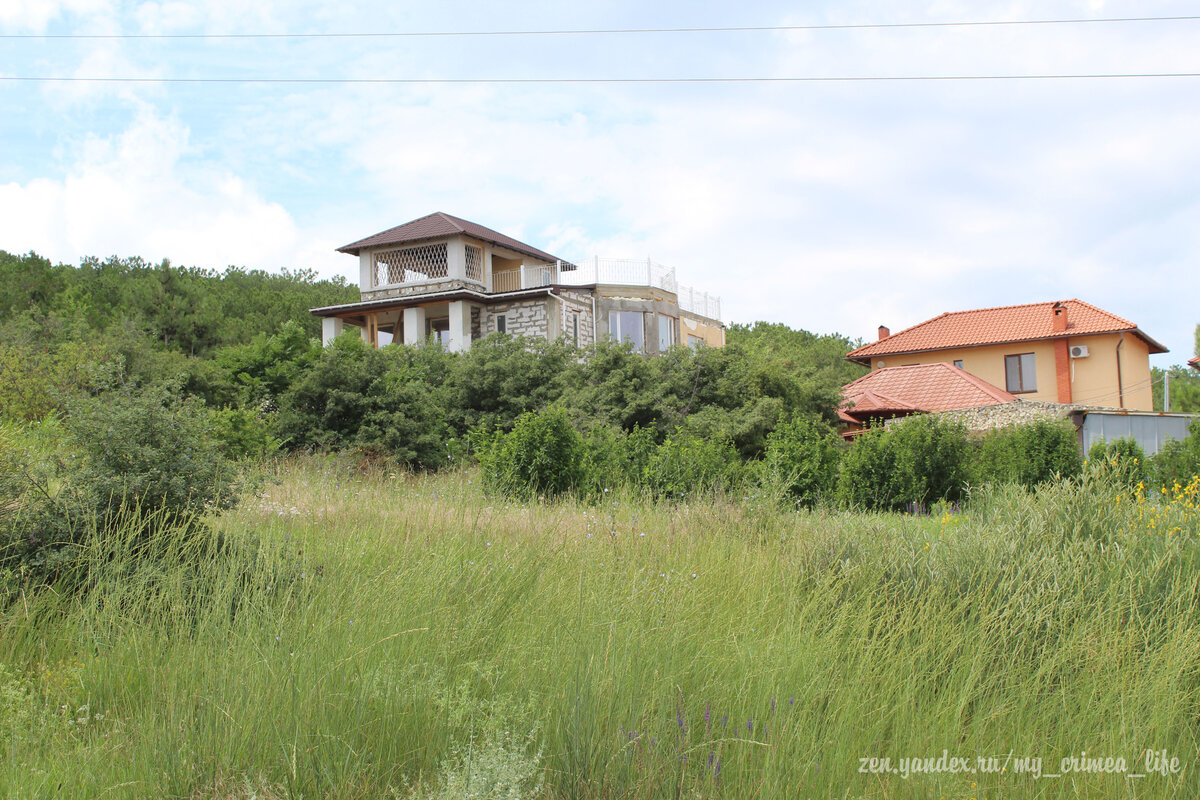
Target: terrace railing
x: 612, y: 271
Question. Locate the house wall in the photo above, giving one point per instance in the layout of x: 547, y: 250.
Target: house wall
x: 690, y: 325
x: 525, y: 317
x: 572, y: 305
x: 1092, y: 380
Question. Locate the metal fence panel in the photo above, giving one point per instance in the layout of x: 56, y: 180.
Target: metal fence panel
x: 1150, y: 431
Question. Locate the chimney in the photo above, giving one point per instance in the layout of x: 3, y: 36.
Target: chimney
x: 1060, y: 316
x: 884, y: 332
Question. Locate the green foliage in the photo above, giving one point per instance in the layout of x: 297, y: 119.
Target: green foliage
x: 1121, y: 461
x: 688, y: 464
x: 1028, y: 454
x: 911, y: 464
x: 502, y: 377
x: 383, y: 400
x: 542, y: 456
x: 1185, y: 389
x: 244, y: 433
x: 1178, y: 461
x: 615, y: 459
x: 266, y: 367
x: 149, y: 448
x: 802, y: 457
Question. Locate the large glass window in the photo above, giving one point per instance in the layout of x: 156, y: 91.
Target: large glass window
x: 628, y: 326
x: 666, y: 333
x: 1020, y: 373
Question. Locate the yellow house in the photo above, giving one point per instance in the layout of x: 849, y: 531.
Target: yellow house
x: 1064, y: 352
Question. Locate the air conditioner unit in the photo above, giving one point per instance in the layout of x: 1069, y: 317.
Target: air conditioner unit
x: 1079, y: 351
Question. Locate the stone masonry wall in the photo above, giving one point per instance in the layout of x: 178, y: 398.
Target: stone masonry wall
x: 525, y: 318
x: 420, y: 288
x: 1019, y: 412
x: 575, y: 305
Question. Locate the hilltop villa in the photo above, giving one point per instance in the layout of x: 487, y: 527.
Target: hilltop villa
x: 456, y: 281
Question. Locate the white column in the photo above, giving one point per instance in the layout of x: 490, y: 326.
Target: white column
x: 460, y: 326
x: 414, y: 325
x: 331, y: 328
x: 366, y: 266
x: 456, y: 258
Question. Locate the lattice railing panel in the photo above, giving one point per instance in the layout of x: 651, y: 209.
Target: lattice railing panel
x: 411, y: 264
x: 474, y: 263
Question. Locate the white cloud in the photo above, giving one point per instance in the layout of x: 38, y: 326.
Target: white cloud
x: 138, y: 194
x: 34, y: 15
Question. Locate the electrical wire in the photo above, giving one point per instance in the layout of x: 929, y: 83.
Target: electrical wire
x: 605, y: 31
x: 477, y: 81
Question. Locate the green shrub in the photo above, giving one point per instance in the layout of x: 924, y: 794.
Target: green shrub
x: 150, y: 449
x: 688, y: 463
x: 384, y: 400
x: 802, y: 458
x: 911, y: 464
x: 1122, y: 461
x: 1179, y: 460
x: 541, y: 456
x: 1029, y: 454
x: 615, y: 459
x: 244, y: 433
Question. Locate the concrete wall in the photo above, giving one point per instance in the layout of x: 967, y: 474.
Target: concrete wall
x: 1091, y: 380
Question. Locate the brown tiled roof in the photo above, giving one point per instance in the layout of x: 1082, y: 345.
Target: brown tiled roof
x: 438, y: 225
x: 921, y: 387
x: 1194, y: 363
x: 1001, y: 325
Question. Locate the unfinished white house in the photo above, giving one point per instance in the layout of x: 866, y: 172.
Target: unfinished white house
x: 444, y: 278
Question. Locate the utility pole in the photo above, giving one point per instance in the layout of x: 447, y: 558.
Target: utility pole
x: 1166, y: 390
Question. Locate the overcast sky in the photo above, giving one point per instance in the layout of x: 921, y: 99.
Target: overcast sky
x: 833, y: 207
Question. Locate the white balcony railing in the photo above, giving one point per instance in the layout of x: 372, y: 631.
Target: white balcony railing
x: 614, y: 271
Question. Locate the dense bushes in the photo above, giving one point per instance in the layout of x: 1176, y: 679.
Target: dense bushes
x: 1027, y: 455
x: 541, y: 456
x: 912, y: 464
x: 126, y: 454
x: 802, y: 459
x: 1178, y: 462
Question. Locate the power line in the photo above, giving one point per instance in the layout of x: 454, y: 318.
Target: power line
x: 445, y: 81
x: 605, y: 31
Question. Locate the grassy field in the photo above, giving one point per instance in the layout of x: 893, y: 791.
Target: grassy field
x: 385, y: 635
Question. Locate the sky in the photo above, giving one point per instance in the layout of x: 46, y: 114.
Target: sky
x: 833, y: 206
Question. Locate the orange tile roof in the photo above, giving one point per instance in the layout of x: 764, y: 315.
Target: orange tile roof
x: 893, y: 391
x: 1194, y: 363
x: 1002, y: 325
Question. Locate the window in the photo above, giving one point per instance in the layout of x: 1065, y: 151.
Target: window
x: 501, y: 323
x: 666, y: 333
x: 1020, y: 374
x: 575, y: 328
x: 695, y: 342
x: 958, y: 363
x: 385, y: 335
x: 627, y: 326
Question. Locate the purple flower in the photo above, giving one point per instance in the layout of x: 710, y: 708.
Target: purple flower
x: 750, y: 725
x: 707, y: 716
x: 724, y: 720
x: 682, y: 722
x: 772, y: 705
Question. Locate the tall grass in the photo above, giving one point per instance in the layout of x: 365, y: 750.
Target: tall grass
x: 362, y: 636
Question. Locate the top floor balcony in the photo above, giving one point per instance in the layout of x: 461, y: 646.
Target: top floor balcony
x: 428, y: 267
